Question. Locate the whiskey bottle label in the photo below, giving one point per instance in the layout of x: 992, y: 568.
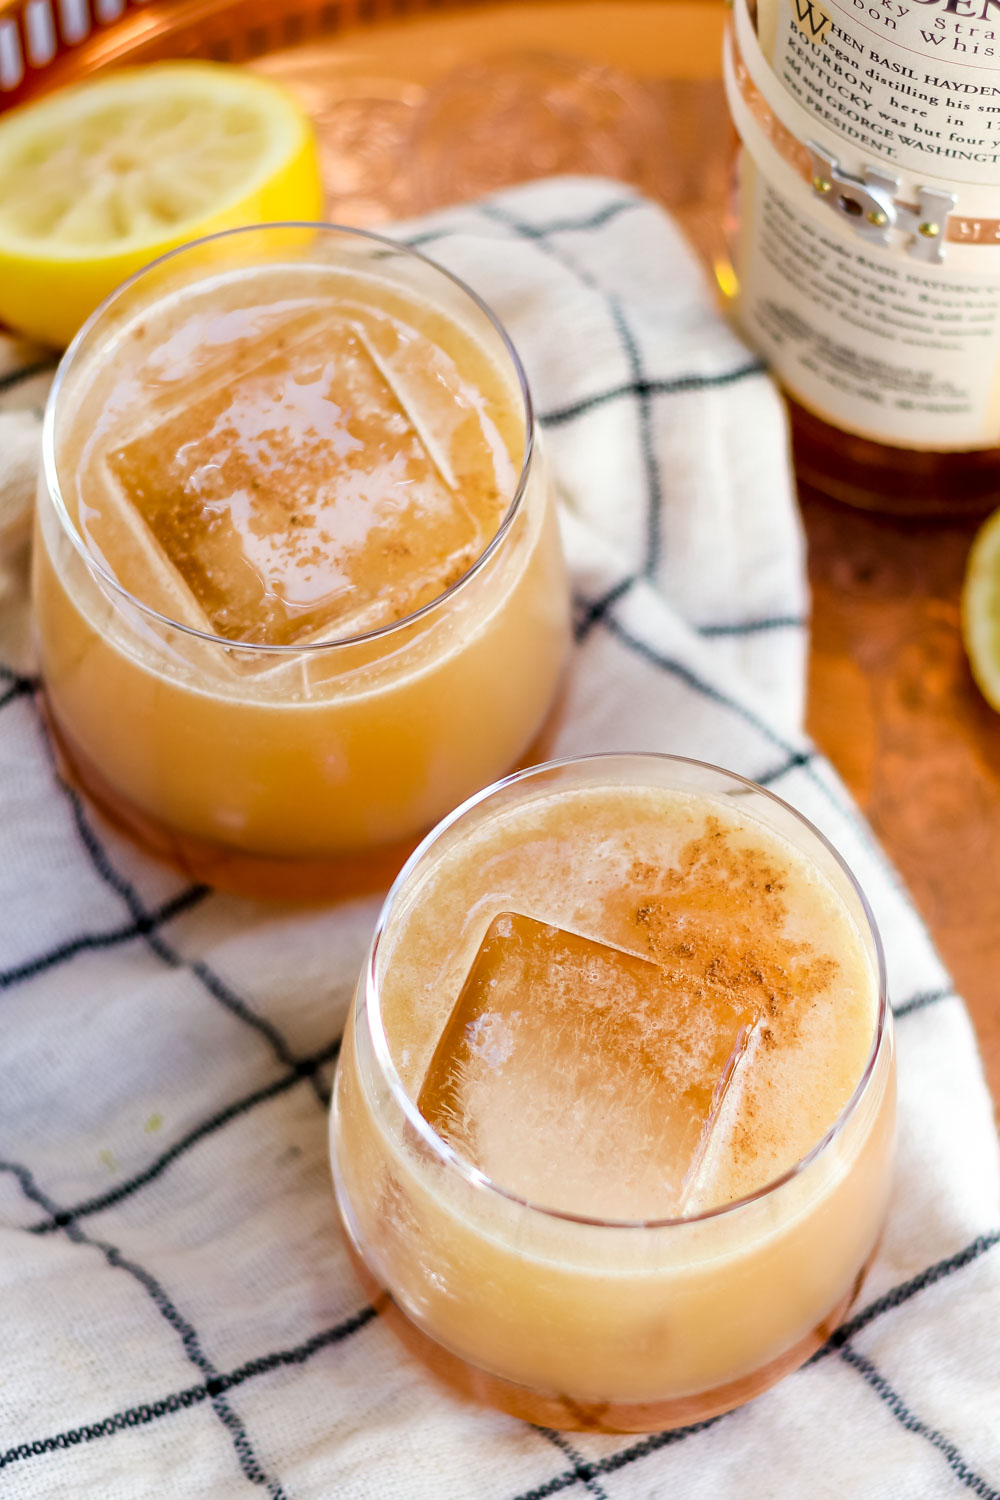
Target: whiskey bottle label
x: 873, y: 337
x: 913, y: 82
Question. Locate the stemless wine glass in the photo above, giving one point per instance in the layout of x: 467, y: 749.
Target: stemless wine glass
x: 197, y: 689
x: 591, y: 1320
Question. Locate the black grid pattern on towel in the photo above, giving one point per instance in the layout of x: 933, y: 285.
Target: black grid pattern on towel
x: 148, y: 927
x: 12, y: 379
x: 216, y: 1385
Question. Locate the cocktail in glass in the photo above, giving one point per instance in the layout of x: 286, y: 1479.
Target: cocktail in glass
x: 298, y: 579
x: 613, y: 1121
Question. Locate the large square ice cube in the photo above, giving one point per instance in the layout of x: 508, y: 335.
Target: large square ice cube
x: 301, y: 500
x: 581, y: 1077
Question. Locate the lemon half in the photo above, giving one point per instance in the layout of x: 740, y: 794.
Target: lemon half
x: 981, y: 610
x: 100, y: 179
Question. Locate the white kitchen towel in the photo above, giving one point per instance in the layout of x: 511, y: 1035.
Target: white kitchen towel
x: 178, y: 1315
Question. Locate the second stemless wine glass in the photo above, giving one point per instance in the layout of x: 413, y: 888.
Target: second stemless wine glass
x: 486, y: 1166
x: 298, y: 580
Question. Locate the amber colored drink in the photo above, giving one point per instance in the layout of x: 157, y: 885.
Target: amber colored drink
x: 613, y: 1121
x: 297, y: 578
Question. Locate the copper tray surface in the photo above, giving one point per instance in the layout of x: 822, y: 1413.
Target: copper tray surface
x: 452, y: 101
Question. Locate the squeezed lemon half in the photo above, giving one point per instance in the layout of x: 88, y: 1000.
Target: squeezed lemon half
x: 981, y: 610
x: 100, y: 179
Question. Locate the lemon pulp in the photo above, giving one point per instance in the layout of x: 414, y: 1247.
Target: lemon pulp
x: 100, y: 179
x: 981, y: 610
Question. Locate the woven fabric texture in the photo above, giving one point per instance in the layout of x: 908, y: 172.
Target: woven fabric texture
x: 179, y: 1317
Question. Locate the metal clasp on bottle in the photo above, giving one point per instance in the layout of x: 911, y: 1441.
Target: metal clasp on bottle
x: 869, y: 205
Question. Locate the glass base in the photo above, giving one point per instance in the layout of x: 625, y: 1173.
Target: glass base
x: 260, y: 877
x: 563, y: 1412
x: 303, y: 881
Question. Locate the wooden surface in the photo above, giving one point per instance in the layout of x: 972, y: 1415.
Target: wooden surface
x: 892, y: 703
x: 428, y: 111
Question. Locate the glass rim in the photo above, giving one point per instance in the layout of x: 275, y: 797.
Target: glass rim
x: 50, y: 475
x: 474, y: 1176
